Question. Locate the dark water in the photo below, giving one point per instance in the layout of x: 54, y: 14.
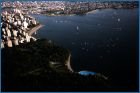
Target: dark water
x: 103, y: 41
x: 70, y: 0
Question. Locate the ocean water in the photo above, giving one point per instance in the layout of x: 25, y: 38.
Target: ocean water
x: 104, y: 41
x: 70, y: 0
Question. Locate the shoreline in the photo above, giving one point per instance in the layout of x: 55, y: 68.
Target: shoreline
x: 53, y: 15
x: 68, y: 64
x: 34, y: 29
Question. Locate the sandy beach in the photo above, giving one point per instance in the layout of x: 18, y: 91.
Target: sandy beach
x: 34, y: 29
x: 68, y: 63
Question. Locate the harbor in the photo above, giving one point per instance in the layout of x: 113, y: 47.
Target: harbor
x: 69, y: 46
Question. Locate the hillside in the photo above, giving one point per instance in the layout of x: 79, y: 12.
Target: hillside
x: 29, y: 67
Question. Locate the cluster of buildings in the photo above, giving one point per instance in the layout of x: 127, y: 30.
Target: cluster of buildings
x: 35, y: 6
x: 15, y: 26
x: 66, y: 7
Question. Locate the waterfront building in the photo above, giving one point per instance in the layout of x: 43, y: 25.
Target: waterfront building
x: 27, y: 37
x: 34, y: 22
x: 15, y: 23
x: 2, y: 43
x: 15, y: 41
x: 32, y: 38
x: 15, y: 26
x: 4, y: 37
x: 25, y: 24
x: 3, y: 31
x: 19, y: 23
x: 8, y: 33
x: 14, y: 33
x: 9, y: 42
x: 21, y: 40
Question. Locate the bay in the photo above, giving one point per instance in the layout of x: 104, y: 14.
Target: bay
x: 104, y: 41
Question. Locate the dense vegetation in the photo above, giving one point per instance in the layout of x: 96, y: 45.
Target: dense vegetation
x: 27, y: 68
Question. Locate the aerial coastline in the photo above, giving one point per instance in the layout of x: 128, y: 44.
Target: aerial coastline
x: 41, y: 62
x: 17, y: 38
x: 57, y: 8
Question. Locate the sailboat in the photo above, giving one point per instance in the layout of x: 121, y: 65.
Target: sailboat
x: 35, y: 33
x: 77, y: 28
x: 119, y: 19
